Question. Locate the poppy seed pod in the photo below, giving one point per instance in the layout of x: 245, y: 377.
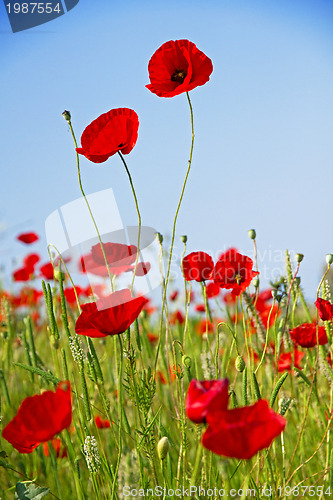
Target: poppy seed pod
x: 184, y: 238
x: 252, y: 234
x: 59, y: 274
x: 163, y: 447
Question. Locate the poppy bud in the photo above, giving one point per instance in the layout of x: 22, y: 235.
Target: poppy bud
x: 252, y: 234
x: 187, y: 361
x: 329, y: 259
x: 256, y: 282
x: 57, y: 274
x: 299, y: 257
x: 184, y: 238
x: 159, y: 237
x: 163, y: 447
x: 67, y: 116
x: 274, y: 294
x: 240, y: 364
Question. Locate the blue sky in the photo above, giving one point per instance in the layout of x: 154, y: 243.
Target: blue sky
x: 263, y: 155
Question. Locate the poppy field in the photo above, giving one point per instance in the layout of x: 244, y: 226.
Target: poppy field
x: 221, y: 388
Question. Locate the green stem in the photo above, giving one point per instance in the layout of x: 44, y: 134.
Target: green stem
x: 88, y: 206
x: 137, y: 211
x: 175, y: 222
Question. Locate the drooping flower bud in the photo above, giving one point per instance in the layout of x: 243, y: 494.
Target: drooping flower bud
x: 184, y: 238
x: 187, y: 361
x: 163, y: 447
x: 252, y: 234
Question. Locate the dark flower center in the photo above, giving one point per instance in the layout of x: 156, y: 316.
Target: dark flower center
x: 178, y: 75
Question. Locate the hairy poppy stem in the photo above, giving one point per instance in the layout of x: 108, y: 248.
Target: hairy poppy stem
x: 87, y: 203
x: 174, y: 225
x: 139, y: 216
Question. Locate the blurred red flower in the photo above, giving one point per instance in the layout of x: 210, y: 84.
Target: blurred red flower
x: 111, y: 132
x: 205, y: 396
x: 70, y: 294
x: 212, y: 290
x: 200, y: 308
x: 176, y: 317
x: 142, y: 268
x: 234, y: 271
x: 325, y: 309
x: 27, y: 296
x: 120, y: 259
x: 110, y: 315
x: 197, y: 266
x: 28, y: 238
x: 22, y: 274
x: 47, y: 271
x: 57, y: 446
x: 40, y: 418
x: 102, y: 423
x: 305, y: 335
x: 31, y: 260
x: 152, y: 337
x: 178, y: 66
x: 200, y: 327
x: 242, y: 432
x: 174, y: 295
x: 284, y: 361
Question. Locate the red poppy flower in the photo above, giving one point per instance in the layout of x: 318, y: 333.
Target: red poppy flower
x: 212, y: 290
x: 47, y: 271
x: 242, y: 432
x: 102, y: 423
x: 200, y: 308
x: 204, y: 397
x: 110, y: 315
x: 176, y: 317
x: 120, y: 259
x: 40, y: 418
x: 57, y: 446
x: 229, y: 299
x: 31, y: 260
x: 176, y: 67
x: 284, y: 362
x: 70, y: 294
x: 202, y: 326
x: 27, y: 238
x: 152, y: 338
x: 22, y: 274
x: 325, y: 309
x: 174, y: 295
x: 114, y: 131
x: 27, y: 296
x: 234, y: 271
x: 142, y: 269
x: 198, y: 266
x: 305, y: 335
